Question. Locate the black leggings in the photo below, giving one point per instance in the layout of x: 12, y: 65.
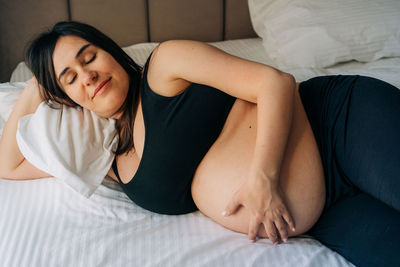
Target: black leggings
x: 356, y: 123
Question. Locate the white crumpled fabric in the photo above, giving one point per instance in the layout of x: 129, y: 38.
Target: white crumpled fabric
x: 72, y: 144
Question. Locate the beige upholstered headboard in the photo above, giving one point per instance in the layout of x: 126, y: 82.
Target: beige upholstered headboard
x: 126, y: 21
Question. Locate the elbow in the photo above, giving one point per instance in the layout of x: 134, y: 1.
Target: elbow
x: 3, y: 169
x: 289, y: 81
x: 288, y: 86
x: 284, y: 84
x: 5, y: 173
x: 282, y: 81
x: 8, y: 172
x: 280, y: 85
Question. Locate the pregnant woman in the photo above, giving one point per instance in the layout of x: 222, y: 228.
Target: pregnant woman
x: 240, y: 141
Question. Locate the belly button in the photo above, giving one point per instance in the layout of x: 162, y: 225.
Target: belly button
x: 250, y: 126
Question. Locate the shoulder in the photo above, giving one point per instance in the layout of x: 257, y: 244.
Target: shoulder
x: 172, y: 55
x: 175, y: 64
x: 159, y: 75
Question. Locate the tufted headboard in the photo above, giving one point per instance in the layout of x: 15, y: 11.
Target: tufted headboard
x: 126, y: 21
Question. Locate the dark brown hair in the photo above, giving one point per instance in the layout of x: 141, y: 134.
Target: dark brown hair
x: 39, y: 58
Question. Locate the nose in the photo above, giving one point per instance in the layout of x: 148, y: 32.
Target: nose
x: 90, y: 77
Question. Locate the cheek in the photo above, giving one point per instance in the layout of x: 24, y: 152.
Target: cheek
x: 76, y: 97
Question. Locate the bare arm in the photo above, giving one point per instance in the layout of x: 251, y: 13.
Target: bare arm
x: 274, y: 120
x: 12, y: 163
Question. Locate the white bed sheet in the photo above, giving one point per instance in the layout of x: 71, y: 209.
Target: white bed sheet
x: 46, y: 223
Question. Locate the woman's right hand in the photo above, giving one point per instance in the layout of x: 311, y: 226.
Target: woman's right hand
x: 32, y: 93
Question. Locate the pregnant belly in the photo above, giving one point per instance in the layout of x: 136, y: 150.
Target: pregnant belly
x: 224, y: 168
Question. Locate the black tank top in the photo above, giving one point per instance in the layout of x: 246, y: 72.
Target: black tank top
x: 179, y: 131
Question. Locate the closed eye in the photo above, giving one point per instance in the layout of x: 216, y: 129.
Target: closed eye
x: 91, y: 60
x: 72, y: 80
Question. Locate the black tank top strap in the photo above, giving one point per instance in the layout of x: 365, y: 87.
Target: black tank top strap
x: 115, y: 169
x: 146, y: 66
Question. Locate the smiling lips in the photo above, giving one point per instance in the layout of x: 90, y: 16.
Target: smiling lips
x: 101, y: 86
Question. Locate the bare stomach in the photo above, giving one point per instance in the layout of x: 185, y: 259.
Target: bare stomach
x: 225, y: 166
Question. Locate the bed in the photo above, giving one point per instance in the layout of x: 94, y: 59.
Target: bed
x: 46, y: 222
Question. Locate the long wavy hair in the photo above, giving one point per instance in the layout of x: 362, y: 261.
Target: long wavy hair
x: 39, y: 58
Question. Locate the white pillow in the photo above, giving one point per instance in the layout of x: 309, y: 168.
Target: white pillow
x: 21, y: 73
x: 72, y: 144
x: 315, y: 33
x: 9, y: 93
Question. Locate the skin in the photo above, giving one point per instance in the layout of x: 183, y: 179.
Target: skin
x: 176, y: 64
x: 86, y: 73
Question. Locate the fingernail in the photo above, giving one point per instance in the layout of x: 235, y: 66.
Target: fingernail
x: 293, y: 229
x: 224, y: 213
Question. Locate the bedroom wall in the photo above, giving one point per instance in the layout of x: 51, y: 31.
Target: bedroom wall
x: 126, y: 21
x: 19, y: 20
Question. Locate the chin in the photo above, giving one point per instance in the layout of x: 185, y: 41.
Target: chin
x: 112, y: 105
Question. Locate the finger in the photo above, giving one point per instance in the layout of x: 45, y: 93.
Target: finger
x: 254, y: 226
x: 232, y: 206
x: 289, y: 220
x: 271, y: 231
x: 282, y: 228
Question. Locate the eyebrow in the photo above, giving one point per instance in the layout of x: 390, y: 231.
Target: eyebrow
x: 77, y: 55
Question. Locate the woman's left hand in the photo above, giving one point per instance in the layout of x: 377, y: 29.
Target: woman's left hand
x: 264, y: 199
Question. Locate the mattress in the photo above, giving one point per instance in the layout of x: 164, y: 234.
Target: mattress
x: 46, y: 223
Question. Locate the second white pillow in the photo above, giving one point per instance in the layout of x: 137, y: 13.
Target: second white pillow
x: 314, y: 33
